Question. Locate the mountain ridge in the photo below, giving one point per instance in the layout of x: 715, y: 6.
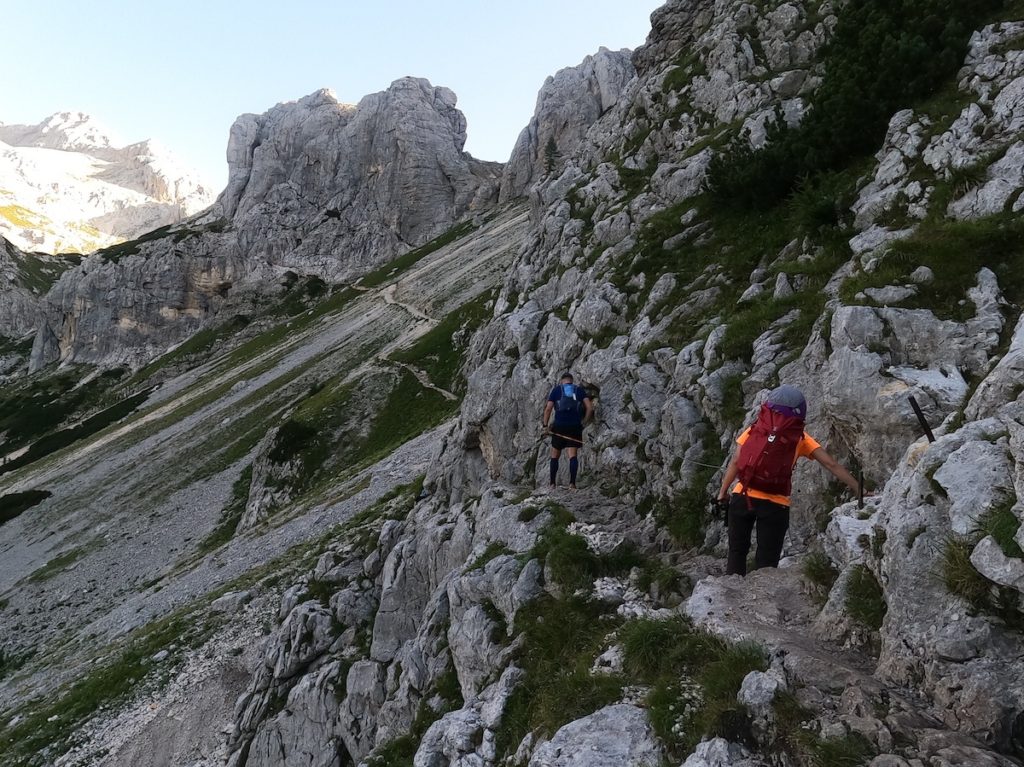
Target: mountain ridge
x: 67, y: 188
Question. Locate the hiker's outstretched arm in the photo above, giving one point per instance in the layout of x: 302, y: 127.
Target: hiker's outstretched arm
x: 729, y: 478
x: 589, y: 410
x: 548, y: 407
x: 821, y: 456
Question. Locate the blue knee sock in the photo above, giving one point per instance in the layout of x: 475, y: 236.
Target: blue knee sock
x: 574, y: 466
x: 554, y: 469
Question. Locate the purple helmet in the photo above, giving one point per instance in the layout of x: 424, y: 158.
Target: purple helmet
x: 788, y: 400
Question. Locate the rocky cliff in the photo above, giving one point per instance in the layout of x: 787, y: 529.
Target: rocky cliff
x: 67, y: 188
x: 377, y: 579
x: 568, y: 104
x: 332, y: 188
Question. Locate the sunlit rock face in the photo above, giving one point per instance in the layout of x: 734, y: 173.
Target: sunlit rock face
x: 66, y: 186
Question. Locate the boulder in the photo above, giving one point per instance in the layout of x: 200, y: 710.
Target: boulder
x: 612, y: 737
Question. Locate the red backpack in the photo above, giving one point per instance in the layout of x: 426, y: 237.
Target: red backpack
x: 766, y: 458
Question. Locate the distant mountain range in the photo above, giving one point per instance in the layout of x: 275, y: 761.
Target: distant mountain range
x: 66, y: 187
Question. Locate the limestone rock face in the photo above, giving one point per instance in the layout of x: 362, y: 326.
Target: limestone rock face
x: 568, y: 104
x: 960, y: 657
x: 331, y: 188
x: 128, y: 311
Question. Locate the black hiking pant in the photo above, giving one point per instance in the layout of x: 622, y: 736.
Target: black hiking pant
x: 772, y: 522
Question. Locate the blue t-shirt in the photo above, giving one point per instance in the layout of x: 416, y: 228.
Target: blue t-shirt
x: 573, y: 416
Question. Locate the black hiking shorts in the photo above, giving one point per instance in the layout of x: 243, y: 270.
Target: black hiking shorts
x: 566, y: 436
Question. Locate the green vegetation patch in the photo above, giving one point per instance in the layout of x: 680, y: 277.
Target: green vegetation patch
x: 37, y: 272
x: 60, y: 563
x: 390, y: 271
x: 441, y: 352
x: 494, y: 550
x: 13, y: 505
x: 410, y: 410
x: 300, y: 294
x: 694, y: 678
x: 561, y: 638
x: 805, y: 748
x: 955, y: 251
x: 820, y: 573
x: 982, y: 596
x: 865, y: 601
x: 38, y: 405
x: 58, y: 440
x: 115, y: 253
x: 49, y: 727
x: 1001, y: 523
x: 343, y: 428
x: 11, y: 662
x: 923, y: 40
x: 573, y: 565
x: 231, y: 515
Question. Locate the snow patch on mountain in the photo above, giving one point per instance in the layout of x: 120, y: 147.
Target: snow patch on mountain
x: 65, y: 186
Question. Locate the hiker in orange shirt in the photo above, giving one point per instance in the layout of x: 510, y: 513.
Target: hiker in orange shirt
x: 764, y: 463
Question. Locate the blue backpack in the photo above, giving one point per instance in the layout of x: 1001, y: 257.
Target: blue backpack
x: 569, y: 407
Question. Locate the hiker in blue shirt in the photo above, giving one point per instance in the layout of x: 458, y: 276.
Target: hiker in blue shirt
x: 571, y: 406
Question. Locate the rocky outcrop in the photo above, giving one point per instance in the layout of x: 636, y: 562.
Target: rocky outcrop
x: 19, y: 308
x: 612, y: 736
x: 68, y: 188
x: 979, y: 154
x: 333, y: 189
x: 568, y: 104
x: 128, y: 311
x: 948, y: 584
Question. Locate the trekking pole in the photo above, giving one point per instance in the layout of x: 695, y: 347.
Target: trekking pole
x: 921, y: 419
x: 860, y: 487
x: 550, y: 433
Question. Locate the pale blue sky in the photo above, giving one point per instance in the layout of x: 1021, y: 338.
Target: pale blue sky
x: 181, y: 72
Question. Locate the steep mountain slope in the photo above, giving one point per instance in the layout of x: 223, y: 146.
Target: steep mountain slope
x: 65, y: 188
x: 434, y: 609
x: 354, y: 366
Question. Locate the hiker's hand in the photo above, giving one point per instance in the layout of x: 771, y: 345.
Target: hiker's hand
x: 722, y: 505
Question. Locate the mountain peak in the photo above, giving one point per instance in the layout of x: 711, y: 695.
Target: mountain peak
x: 68, y: 131
x: 70, y: 186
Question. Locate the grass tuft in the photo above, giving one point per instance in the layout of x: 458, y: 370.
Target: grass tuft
x: 694, y: 678
x: 865, y: 601
x: 560, y: 638
x: 819, y: 571
x: 982, y: 596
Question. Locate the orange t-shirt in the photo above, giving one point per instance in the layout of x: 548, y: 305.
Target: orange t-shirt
x: 804, y: 448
